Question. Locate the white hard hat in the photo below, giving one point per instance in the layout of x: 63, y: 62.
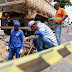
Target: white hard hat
x: 30, y: 24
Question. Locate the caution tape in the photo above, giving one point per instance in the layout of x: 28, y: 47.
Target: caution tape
x: 38, y: 61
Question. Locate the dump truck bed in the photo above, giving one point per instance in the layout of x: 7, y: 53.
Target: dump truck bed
x: 21, y: 5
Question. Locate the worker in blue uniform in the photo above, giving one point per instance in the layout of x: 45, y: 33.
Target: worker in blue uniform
x: 16, y: 42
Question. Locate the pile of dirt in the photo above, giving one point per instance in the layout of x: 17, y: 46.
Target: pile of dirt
x: 4, y: 42
x: 3, y: 52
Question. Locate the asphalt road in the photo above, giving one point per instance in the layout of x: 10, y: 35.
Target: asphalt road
x: 64, y: 65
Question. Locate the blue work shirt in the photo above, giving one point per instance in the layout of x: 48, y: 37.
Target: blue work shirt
x: 16, y: 39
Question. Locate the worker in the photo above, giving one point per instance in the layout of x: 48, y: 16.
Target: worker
x: 44, y: 36
x: 60, y: 16
x: 16, y: 42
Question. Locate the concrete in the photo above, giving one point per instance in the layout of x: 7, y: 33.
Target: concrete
x: 64, y: 65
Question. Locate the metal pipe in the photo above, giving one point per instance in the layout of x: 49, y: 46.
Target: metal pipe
x: 11, y: 27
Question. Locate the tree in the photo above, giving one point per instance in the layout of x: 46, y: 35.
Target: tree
x: 63, y: 2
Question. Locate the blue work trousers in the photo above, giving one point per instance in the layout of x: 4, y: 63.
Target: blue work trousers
x: 58, y: 29
x: 12, y: 51
x: 42, y: 42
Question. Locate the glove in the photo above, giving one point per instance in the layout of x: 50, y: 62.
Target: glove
x: 7, y: 48
x: 21, y: 51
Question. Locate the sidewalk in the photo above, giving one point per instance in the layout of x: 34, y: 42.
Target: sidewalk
x: 66, y: 37
x: 64, y: 65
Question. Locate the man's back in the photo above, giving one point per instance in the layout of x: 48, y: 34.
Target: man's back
x: 48, y: 32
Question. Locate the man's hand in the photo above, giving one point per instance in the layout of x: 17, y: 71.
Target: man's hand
x: 62, y: 19
x: 31, y: 43
x: 21, y: 51
x: 59, y: 22
x: 7, y: 48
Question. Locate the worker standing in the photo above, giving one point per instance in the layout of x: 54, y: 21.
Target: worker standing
x: 16, y: 42
x: 60, y: 16
x: 44, y: 36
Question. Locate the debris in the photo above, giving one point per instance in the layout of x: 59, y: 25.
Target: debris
x: 4, y: 42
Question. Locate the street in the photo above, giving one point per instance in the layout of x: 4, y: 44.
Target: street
x: 64, y: 65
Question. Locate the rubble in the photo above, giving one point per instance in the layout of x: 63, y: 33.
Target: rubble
x: 3, y: 52
x: 4, y: 39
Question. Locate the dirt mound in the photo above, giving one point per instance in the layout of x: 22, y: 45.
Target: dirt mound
x: 4, y: 42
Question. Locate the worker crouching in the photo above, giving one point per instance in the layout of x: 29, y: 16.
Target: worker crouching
x: 44, y: 36
x: 16, y: 42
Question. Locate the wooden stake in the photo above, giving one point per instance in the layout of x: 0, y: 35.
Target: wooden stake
x: 30, y: 50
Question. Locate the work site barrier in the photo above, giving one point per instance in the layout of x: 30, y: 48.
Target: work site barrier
x: 38, y: 61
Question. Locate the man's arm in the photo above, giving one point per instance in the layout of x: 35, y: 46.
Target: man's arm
x: 22, y: 40
x: 9, y: 40
x: 22, y: 43
x: 33, y: 41
x: 40, y: 33
x: 63, y: 12
x: 63, y: 19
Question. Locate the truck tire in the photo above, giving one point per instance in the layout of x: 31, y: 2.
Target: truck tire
x: 7, y: 32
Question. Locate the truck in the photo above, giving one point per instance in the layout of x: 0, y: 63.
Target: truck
x: 25, y: 11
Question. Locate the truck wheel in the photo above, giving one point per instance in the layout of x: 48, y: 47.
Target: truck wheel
x: 7, y: 32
